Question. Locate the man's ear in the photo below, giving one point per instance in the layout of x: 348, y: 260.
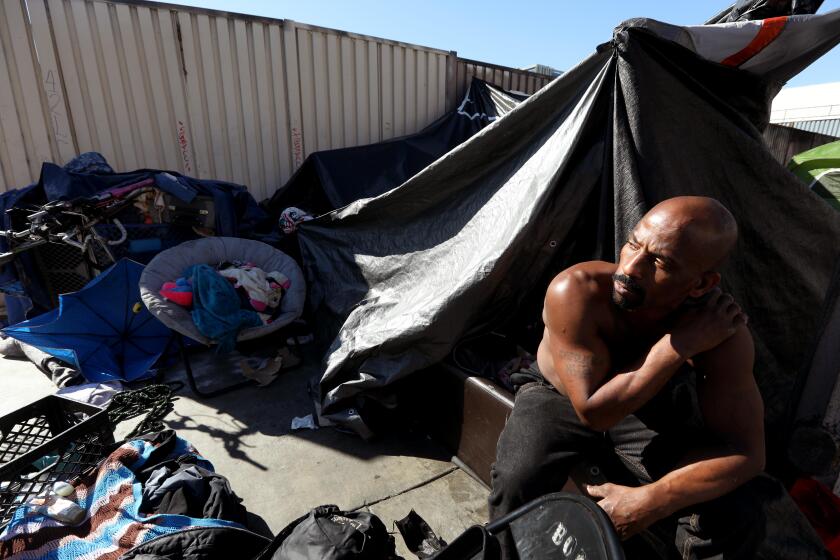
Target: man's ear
x: 705, y: 284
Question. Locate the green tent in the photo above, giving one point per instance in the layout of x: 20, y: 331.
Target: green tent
x: 819, y: 168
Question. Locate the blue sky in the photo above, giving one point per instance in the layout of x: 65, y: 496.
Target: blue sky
x: 556, y: 33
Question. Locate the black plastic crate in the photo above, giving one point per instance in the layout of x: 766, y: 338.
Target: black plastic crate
x: 78, y: 435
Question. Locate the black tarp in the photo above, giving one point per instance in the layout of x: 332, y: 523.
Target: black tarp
x: 461, y: 246
x: 331, y: 179
x: 745, y: 10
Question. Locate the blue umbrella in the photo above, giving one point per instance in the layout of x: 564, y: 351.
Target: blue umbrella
x: 103, y: 330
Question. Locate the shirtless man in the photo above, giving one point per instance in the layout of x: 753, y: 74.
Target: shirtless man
x: 616, y: 336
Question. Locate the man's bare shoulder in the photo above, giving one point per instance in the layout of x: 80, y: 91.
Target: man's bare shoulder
x: 587, y: 283
x: 733, y: 356
x: 578, y: 300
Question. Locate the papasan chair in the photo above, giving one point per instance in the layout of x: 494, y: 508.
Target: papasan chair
x: 171, y: 264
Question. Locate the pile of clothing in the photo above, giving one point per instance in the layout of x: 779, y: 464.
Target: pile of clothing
x: 149, y: 488
x: 228, y: 298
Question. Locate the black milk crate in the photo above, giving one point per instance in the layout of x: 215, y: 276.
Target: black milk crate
x: 78, y: 435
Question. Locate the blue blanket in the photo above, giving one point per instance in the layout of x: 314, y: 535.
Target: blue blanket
x: 216, y: 307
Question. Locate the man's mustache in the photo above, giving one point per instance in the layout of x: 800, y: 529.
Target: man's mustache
x: 629, y: 284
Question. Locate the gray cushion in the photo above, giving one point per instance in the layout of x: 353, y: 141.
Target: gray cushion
x: 170, y: 265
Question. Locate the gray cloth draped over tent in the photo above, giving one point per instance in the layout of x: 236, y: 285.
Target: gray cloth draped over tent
x: 659, y: 111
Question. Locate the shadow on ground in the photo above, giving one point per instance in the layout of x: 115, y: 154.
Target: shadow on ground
x: 269, y: 411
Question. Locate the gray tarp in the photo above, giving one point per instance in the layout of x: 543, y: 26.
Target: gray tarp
x: 653, y: 114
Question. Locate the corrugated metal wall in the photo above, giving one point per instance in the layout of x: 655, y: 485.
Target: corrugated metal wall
x: 785, y: 142
x: 830, y: 127
x: 507, y: 78
x: 210, y: 94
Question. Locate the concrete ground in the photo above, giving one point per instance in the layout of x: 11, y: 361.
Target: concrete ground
x: 280, y: 474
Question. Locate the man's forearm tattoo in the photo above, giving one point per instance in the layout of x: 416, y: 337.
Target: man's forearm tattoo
x: 580, y: 364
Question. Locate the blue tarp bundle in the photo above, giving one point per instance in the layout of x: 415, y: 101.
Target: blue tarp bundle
x: 237, y: 213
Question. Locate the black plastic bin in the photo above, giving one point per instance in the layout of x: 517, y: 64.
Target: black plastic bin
x: 72, y: 436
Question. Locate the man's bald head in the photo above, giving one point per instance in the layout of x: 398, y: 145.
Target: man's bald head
x: 706, y: 231
x: 674, y: 253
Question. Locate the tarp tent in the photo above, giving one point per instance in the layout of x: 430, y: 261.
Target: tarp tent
x: 819, y: 169
x: 330, y: 179
x: 659, y: 111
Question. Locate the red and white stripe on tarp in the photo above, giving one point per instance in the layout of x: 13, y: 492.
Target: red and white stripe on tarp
x: 760, y: 46
x: 770, y: 30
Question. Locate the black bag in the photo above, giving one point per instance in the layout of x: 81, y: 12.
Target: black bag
x: 327, y: 533
x: 557, y: 525
x: 200, y: 543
